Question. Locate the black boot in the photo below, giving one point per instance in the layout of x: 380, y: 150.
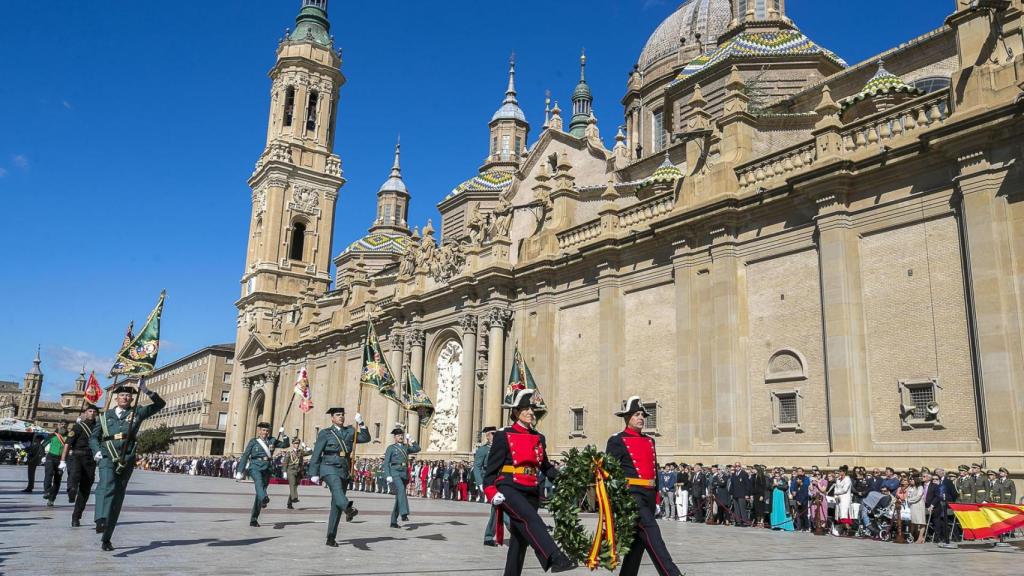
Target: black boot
x: 350, y: 513
x: 101, y: 525
x: 254, y: 524
x: 395, y: 525
x: 266, y: 500
x: 75, y: 523
x: 290, y: 507
x: 560, y: 563
x: 26, y: 491
x: 107, y: 546
x: 49, y: 503
x: 405, y: 517
x: 332, y: 543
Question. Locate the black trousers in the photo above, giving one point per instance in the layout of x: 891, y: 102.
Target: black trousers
x: 52, y: 478
x: 648, y: 537
x: 81, y: 475
x: 700, y: 511
x: 31, y: 476
x: 800, y: 520
x: 940, y: 523
x: 739, y: 508
x: 526, y: 529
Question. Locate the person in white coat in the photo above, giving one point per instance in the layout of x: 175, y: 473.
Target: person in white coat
x: 844, y: 498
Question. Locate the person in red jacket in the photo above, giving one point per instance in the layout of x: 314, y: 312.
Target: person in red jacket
x: 517, y: 454
x: 635, y: 452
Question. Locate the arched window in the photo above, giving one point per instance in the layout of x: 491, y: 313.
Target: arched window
x: 931, y: 83
x: 289, y: 105
x: 296, y: 251
x: 314, y: 98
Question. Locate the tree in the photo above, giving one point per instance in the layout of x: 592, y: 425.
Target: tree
x: 154, y: 440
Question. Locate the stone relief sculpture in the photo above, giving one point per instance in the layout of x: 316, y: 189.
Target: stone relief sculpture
x: 475, y: 225
x: 305, y: 200
x: 444, y: 427
x: 441, y: 263
x: 502, y: 219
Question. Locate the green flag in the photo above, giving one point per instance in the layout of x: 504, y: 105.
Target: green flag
x: 138, y: 356
x: 416, y: 400
x: 520, y: 378
x: 376, y: 371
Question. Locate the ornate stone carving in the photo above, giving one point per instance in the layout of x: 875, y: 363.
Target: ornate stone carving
x: 497, y: 317
x: 395, y: 340
x: 501, y: 219
x: 414, y: 338
x: 305, y: 200
x: 468, y: 323
x: 440, y: 263
x: 259, y: 201
x: 444, y: 427
x: 475, y: 225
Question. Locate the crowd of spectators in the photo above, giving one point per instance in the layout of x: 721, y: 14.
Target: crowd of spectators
x: 215, y: 466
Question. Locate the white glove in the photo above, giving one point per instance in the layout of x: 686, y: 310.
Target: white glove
x: 389, y: 480
x: 280, y: 430
x: 315, y: 479
x: 284, y: 475
x: 238, y: 475
x: 98, y: 456
x: 408, y: 438
x: 43, y: 460
x: 358, y: 418
x: 62, y: 465
x: 498, y: 499
x: 302, y: 445
x: 657, y: 509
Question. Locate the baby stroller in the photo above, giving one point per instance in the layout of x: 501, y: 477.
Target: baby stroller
x: 881, y: 509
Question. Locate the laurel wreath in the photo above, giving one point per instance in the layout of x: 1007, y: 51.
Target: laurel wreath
x: 573, y: 482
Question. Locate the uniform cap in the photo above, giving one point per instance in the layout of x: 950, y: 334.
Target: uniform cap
x: 334, y: 411
x: 124, y: 388
x: 488, y: 429
x: 264, y: 425
x: 397, y: 431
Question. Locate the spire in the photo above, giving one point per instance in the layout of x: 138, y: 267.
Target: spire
x: 36, y: 363
x: 394, y: 183
x: 396, y: 169
x: 312, y: 25
x: 582, y: 102
x: 510, y: 105
x: 510, y: 93
x: 547, y: 108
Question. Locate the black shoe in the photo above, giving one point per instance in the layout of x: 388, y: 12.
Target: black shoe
x: 266, y: 500
x: 561, y: 563
x: 405, y: 517
x: 49, y: 503
x: 107, y: 546
x: 490, y: 543
x: 395, y: 525
x: 332, y: 543
x: 350, y: 513
x: 75, y: 523
x: 101, y: 525
x: 290, y: 507
x: 254, y: 524
x: 296, y: 500
x: 26, y: 491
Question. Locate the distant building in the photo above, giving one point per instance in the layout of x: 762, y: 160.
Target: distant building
x: 197, y: 389
x: 24, y: 402
x: 10, y: 395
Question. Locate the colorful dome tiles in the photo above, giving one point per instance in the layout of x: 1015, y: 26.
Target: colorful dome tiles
x: 380, y: 242
x: 777, y: 43
x: 494, y: 180
x: 883, y: 82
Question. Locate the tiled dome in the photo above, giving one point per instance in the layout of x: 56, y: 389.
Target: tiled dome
x: 709, y: 18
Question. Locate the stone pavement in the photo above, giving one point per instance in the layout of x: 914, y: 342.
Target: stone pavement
x: 193, y: 525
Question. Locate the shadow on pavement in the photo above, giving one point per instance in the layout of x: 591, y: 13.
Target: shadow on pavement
x: 157, y: 544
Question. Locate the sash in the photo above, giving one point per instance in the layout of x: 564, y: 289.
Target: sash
x: 110, y: 443
x: 265, y: 447
x: 343, y: 453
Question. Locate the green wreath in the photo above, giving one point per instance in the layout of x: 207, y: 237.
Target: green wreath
x: 573, y: 481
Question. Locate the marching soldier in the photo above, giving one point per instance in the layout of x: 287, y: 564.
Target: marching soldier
x: 54, y: 471
x: 294, y: 469
x: 479, y: 463
x: 636, y: 452
x: 1003, y: 489
x: 258, y: 456
x: 331, y: 461
x: 110, y: 445
x: 82, y: 467
x: 396, y: 466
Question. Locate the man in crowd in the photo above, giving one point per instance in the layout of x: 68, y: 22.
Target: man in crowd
x: 667, y: 487
x: 939, y: 499
x: 799, y: 494
x: 739, y: 490
x: 294, y: 468
x: 78, y: 460
x: 33, y: 455
x: 1003, y: 489
x: 479, y: 463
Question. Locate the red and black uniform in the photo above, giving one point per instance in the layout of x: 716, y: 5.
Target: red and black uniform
x: 517, y: 456
x: 635, y: 452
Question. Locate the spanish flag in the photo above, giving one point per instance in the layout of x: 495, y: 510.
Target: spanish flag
x: 988, y: 520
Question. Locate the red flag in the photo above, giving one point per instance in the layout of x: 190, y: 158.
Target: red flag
x: 93, y: 391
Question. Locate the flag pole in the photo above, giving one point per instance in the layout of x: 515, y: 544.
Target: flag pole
x: 359, y: 405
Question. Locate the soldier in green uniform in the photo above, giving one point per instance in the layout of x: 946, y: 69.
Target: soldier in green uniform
x: 980, y: 482
x: 1003, y: 489
x: 113, y: 446
x: 331, y: 461
x: 294, y: 468
x: 965, y: 485
x: 479, y: 463
x: 396, y: 467
x: 259, y: 457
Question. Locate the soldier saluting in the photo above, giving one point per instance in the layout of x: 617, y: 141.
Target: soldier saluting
x: 396, y: 466
x: 331, y: 461
x: 113, y: 446
x: 259, y: 457
x: 636, y: 453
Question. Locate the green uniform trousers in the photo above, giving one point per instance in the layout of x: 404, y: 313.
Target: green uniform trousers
x: 110, y: 494
x: 401, y: 507
x: 294, y: 478
x: 339, y: 502
x: 260, y: 479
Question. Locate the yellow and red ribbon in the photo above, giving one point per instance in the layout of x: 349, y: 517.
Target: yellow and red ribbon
x: 605, y: 519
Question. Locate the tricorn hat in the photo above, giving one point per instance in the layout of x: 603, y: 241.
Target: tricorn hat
x: 525, y: 398
x: 334, y: 411
x: 397, y: 431
x: 124, y: 388
x: 488, y: 429
x: 631, y: 406
x: 264, y: 425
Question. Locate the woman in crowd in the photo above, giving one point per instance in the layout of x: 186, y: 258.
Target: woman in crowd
x: 844, y: 498
x: 819, y: 505
x: 760, y: 485
x: 915, y: 499
x: 780, y: 504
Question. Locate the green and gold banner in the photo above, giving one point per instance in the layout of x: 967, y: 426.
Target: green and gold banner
x: 138, y: 356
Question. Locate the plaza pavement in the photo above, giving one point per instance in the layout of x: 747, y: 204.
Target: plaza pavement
x: 175, y: 524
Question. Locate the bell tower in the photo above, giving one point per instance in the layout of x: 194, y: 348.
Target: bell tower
x: 294, y: 190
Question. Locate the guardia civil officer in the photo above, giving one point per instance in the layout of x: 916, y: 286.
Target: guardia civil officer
x: 396, y: 466
x: 332, y: 461
x: 511, y: 483
x: 113, y: 445
x: 258, y: 457
x: 636, y: 453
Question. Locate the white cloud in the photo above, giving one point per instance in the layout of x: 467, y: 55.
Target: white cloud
x: 20, y: 160
x: 73, y: 360
x: 3, y: 172
x: 66, y: 104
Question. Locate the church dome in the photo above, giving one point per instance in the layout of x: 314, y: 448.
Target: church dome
x: 380, y: 242
x: 706, y: 18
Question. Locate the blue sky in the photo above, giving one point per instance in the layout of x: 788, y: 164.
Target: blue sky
x: 130, y: 129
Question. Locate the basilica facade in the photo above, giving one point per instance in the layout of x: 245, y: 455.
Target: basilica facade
x: 790, y: 258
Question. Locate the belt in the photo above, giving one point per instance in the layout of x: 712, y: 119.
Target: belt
x: 643, y: 483
x: 118, y: 436
x: 519, y: 470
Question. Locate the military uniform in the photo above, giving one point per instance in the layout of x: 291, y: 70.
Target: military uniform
x: 53, y: 473
x: 479, y: 463
x: 81, y: 467
x: 258, y: 456
x: 1004, y: 491
x: 109, y: 437
x: 635, y: 451
x: 981, y: 489
x: 965, y: 486
x: 294, y: 465
x: 396, y: 466
x: 331, y: 461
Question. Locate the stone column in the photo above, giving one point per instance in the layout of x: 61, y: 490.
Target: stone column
x: 843, y: 311
x: 238, y: 432
x: 733, y: 432
x: 415, y: 341
x: 495, y: 320
x: 467, y: 399
x: 395, y: 360
x: 270, y: 404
